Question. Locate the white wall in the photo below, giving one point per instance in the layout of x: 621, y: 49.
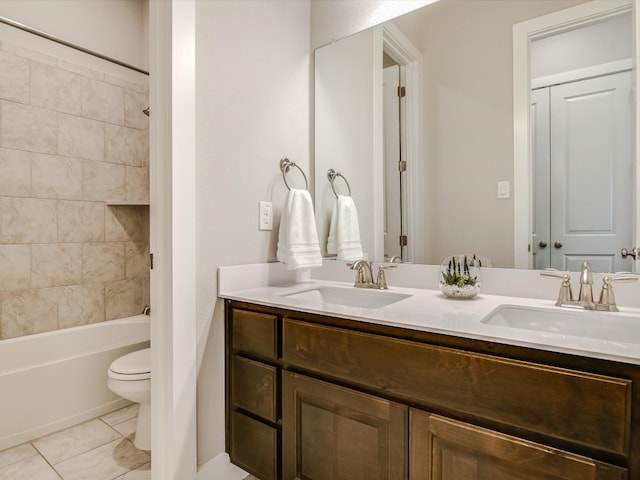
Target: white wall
x: 467, y: 48
x: 252, y: 89
x: 332, y: 20
x: 115, y: 28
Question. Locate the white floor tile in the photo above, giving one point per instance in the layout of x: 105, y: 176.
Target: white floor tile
x: 142, y: 473
x: 126, y: 428
x: 15, y: 454
x: 122, y: 415
x: 32, y: 468
x: 103, y: 463
x: 75, y: 440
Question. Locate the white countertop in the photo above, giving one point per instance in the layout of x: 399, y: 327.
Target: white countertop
x: 430, y: 311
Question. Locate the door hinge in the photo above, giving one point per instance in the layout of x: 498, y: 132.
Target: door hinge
x: 402, y: 166
x: 402, y: 91
x: 151, y: 261
x: 403, y: 240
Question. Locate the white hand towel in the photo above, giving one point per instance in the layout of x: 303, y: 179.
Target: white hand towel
x: 344, y: 230
x: 298, y: 244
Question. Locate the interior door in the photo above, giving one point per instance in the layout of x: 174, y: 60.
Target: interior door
x: 392, y: 201
x: 591, y: 173
x: 540, y: 146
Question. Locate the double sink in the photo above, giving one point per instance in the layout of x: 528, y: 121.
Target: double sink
x: 614, y: 327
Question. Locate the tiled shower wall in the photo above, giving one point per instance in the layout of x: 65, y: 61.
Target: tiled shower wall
x: 72, y: 141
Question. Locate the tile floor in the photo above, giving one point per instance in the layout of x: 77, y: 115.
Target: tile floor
x: 100, y: 449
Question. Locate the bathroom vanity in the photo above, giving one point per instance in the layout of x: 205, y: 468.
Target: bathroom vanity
x: 327, y: 396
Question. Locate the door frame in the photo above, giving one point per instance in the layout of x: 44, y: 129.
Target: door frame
x: 398, y: 47
x: 523, y: 33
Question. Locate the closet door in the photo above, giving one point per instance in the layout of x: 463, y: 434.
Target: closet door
x: 591, y: 173
x: 541, y: 166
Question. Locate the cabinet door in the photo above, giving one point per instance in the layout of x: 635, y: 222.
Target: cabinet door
x: 445, y: 449
x: 333, y: 433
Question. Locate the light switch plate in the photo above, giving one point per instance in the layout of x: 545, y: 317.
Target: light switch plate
x: 265, y: 216
x: 504, y: 190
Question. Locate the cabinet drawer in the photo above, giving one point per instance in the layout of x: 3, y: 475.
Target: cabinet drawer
x: 254, y: 387
x: 254, y: 446
x: 581, y: 408
x: 255, y: 333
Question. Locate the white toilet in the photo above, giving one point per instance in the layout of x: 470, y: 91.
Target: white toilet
x: 130, y: 377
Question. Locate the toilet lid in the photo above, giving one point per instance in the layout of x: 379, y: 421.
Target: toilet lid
x: 132, y: 366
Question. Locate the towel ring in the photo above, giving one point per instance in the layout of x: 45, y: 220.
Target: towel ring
x: 331, y: 175
x: 285, y: 166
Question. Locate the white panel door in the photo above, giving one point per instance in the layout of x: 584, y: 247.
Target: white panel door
x: 541, y: 152
x: 392, y: 208
x: 591, y: 173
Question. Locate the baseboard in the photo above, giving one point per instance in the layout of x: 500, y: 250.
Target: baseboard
x: 220, y: 468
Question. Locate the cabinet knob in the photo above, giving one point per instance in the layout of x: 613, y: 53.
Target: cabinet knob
x: 557, y: 244
x: 542, y: 244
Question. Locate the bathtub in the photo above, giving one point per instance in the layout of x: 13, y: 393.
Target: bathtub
x: 52, y: 380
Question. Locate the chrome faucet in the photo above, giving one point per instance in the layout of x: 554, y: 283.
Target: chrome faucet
x: 606, y: 302
x: 364, y: 275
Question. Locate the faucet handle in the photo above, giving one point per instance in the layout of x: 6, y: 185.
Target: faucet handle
x: 607, y: 298
x: 565, y: 295
x: 381, y: 281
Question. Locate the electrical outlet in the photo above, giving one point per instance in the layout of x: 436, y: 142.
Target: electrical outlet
x: 265, y: 216
x: 503, y: 189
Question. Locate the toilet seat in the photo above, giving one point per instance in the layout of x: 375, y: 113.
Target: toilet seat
x: 132, y: 366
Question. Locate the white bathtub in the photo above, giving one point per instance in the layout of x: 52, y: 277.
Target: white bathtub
x: 53, y: 380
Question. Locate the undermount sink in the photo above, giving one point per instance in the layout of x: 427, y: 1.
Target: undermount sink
x: 350, y: 297
x: 579, y: 323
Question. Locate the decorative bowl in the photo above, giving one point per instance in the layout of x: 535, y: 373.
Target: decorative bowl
x: 460, y: 276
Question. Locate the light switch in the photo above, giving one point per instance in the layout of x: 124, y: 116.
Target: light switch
x: 265, y: 216
x: 503, y: 189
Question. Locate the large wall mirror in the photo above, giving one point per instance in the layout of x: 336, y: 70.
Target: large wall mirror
x: 516, y: 123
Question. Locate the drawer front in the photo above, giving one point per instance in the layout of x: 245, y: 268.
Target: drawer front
x: 254, y: 446
x: 255, y: 333
x: 254, y: 387
x: 578, y: 407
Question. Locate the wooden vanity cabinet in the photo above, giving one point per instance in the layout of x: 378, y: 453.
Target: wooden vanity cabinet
x: 318, y: 398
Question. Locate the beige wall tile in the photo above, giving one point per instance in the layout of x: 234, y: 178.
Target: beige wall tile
x: 81, y: 305
x: 134, y: 104
x: 80, y: 137
x: 103, y: 262
x: 28, y: 128
x: 80, y: 69
x: 102, y: 101
x: 80, y: 221
x: 33, y: 55
x: 126, y: 224
x: 123, y: 298
x: 29, y: 220
x: 56, y: 177
x: 25, y: 312
x: 14, y: 78
x: 136, y: 260
x: 56, y: 264
x: 128, y: 146
x: 103, y: 181
x: 137, y: 184
x: 56, y: 89
x: 15, y: 173
x: 15, y: 273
